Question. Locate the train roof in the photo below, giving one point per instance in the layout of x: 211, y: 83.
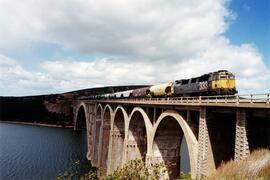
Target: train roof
x: 205, y: 75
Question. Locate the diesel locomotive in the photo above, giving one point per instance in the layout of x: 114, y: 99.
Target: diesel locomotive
x: 221, y: 82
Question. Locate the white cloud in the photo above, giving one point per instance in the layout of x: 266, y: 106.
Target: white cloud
x: 137, y: 29
x: 143, y: 42
x: 66, y: 75
x: 15, y: 80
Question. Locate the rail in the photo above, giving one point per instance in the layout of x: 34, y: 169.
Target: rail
x: 235, y: 100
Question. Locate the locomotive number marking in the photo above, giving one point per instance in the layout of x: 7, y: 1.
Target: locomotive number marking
x: 203, y: 85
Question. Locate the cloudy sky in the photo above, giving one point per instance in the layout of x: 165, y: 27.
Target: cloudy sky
x: 49, y: 46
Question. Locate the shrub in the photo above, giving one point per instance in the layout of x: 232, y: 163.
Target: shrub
x: 79, y: 170
x: 139, y: 170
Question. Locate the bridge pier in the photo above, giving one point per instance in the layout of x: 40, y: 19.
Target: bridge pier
x: 241, y: 139
x: 109, y: 159
x: 89, y: 130
x: 92, y: 148
x: 205, y: 164
x: 188, y: 116
x: 96, y: 137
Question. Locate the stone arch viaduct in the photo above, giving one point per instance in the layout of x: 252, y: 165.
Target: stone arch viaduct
x: 216, y: 129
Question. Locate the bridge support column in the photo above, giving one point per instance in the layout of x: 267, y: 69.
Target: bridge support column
x: 154, y: 116
x: 99, y: 149
x: 124, y: 153
x: 206, y: 164
x: 75, y: 108
x: 108, y: 165
x: 90, y: 132
x: 95, y: 135
x: 241, y: 140
x: 188, y: 115
x: 96, y: 142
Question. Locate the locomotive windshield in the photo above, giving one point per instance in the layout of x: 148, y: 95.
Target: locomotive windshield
x: 227, y: 76
x: 223, y: 77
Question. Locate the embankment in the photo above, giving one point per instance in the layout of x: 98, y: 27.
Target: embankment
x: 256, y: 166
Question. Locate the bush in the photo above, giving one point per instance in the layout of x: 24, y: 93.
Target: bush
x: 79, y: 170
x: 139, y: 170
x: 91, y: 175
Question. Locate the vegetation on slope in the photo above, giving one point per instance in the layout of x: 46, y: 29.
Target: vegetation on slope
x: 134, y: 169
x: 256, y: 166
x: 137, y: 169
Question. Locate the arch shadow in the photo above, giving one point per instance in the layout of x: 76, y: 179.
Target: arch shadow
x: 139, y: 131
x: 81, y: 117
x: 118, y: 134
x: 105, y: 138
x: 165, y: 142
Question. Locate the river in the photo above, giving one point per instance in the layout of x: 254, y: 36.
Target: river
x: 32, y: 152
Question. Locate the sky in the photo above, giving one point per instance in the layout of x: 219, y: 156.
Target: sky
x: 49, y: 46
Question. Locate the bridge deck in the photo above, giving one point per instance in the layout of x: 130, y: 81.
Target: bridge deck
x: 245, y: 101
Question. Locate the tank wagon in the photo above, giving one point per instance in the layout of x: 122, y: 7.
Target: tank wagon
x: 164, y: 89
x: 221, y: 82
x: 141, y: 92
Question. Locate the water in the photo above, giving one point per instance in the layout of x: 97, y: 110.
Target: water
x: 30, y: 152
x: 184, y: 160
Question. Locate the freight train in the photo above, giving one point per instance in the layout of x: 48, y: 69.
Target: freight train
x: 221, y: 82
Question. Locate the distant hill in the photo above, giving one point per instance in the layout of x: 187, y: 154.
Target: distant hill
x: 51, y: 108
x: 101, y: 90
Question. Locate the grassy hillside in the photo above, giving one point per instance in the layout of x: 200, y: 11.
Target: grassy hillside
x: 256, y: 166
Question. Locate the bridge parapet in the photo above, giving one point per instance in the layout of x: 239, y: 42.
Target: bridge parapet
x: 246, y: 100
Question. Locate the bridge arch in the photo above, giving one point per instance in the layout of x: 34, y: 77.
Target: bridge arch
x: 168, y: 132
x: 139, y: 132
x: 107, y: 109
x: 99, y: 110
x: 80, y: 117
x: 118, y: 134
x: 105, y: 137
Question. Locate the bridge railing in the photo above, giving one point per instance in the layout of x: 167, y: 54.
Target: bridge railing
x: 229, y: 99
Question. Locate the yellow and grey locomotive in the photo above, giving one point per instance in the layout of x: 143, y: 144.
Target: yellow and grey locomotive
x: 216, y: 83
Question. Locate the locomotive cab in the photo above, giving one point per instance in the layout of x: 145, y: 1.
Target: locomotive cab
x: 223, y: 83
